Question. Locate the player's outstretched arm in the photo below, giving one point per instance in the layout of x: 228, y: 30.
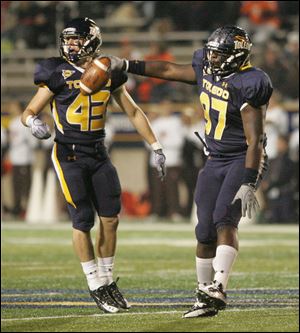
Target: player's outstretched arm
x: 158, y: 69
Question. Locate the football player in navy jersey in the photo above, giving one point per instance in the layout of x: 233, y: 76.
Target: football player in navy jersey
x: 87, y: 177
x: 234, y: 96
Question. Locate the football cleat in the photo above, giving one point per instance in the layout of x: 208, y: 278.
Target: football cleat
x: 103, y: 300
x: 117, y: 296
x: 200, y: 309
x: 213, y: 295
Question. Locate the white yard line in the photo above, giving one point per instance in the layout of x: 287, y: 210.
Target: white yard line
x: 94, y: 315
x: 177, y: 242
x: 122, y: 314
x: 159, y: 226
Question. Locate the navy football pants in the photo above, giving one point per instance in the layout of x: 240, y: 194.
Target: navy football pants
x: 217, y: 185
x: 88, y: 182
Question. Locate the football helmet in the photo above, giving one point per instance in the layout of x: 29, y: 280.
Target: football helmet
x: 227, y: 49
x: 88, y: 38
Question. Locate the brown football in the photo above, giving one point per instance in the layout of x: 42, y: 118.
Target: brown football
x: 95, y: 76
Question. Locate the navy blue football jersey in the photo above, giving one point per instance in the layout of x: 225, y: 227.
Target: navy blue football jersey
x: 222, y: 101
x: 78, y: 118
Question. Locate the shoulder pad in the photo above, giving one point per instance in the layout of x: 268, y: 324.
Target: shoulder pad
x: 45, y: 69
x: 256, y: 86
x: 198, y: 58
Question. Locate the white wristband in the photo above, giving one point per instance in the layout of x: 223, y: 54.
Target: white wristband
x: 29, y: 120
x: 156, y: 145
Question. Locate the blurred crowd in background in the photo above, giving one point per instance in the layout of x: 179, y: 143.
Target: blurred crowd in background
x: 273, y: 26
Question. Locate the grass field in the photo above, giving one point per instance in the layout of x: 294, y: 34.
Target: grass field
x: 44, y: 290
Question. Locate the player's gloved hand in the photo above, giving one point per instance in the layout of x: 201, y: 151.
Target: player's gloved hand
x: 160, y: 160
x: 116, y: 64
x: 246, y: 194
x: 39, y: 129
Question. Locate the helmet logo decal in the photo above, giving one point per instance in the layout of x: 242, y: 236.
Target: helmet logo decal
x: 213, y: 44
x: 70, y: 31
x: 241, y: 43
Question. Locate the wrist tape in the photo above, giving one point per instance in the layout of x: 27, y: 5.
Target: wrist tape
x: 135, y: 67
x: 250, y: 176
x: 156, y: 145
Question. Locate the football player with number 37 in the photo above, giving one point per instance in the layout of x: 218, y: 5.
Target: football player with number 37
x: 87, y: 177
x: 234, y: 96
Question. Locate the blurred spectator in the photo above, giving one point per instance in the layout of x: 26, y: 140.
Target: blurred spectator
x: 95, y: 9
x: 290, y: 59
x: 8, y: 24
x: 4, y: 147
x: 277, y: 123
x: 33, y: 23
x: 152, y: 89
x: 294, y: 142
x: 47, y: 145
x: 124, y: 15
x: 289, y: 15
x: 28, y: 14
x: 21, y: 151
x: 261, y: 18
x: 152, y: 114
x: 196, y: 15
x: 193, y: 157
x: 170, y: 134
x: 44, y: 25
x: 128, y: 51
x: 273, y: 65
x: 280, y: 185
x: 294, y: 154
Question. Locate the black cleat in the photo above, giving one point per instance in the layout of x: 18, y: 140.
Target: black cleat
x: 200, y: 310
x: 203, y: 307
x: 116, y: 295
x: 103, y: 300
x: 214, y: 295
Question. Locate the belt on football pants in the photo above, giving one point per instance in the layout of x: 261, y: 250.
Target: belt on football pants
x: 91, y: 149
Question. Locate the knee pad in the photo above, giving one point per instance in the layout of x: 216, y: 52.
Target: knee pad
x: 205, y: 234
x: 84, y: 222
x: 231, y: 217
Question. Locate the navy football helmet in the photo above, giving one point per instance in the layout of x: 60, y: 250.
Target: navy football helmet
x: 227, y: 50
x: 88, y: 35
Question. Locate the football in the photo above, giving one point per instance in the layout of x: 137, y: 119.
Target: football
x: 95, y: 76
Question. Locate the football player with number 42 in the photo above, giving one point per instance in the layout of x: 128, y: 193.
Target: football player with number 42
x: 87, y: 177
x: 234, y: 96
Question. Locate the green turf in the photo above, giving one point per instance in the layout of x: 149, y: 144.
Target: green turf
x: 155, y: 264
